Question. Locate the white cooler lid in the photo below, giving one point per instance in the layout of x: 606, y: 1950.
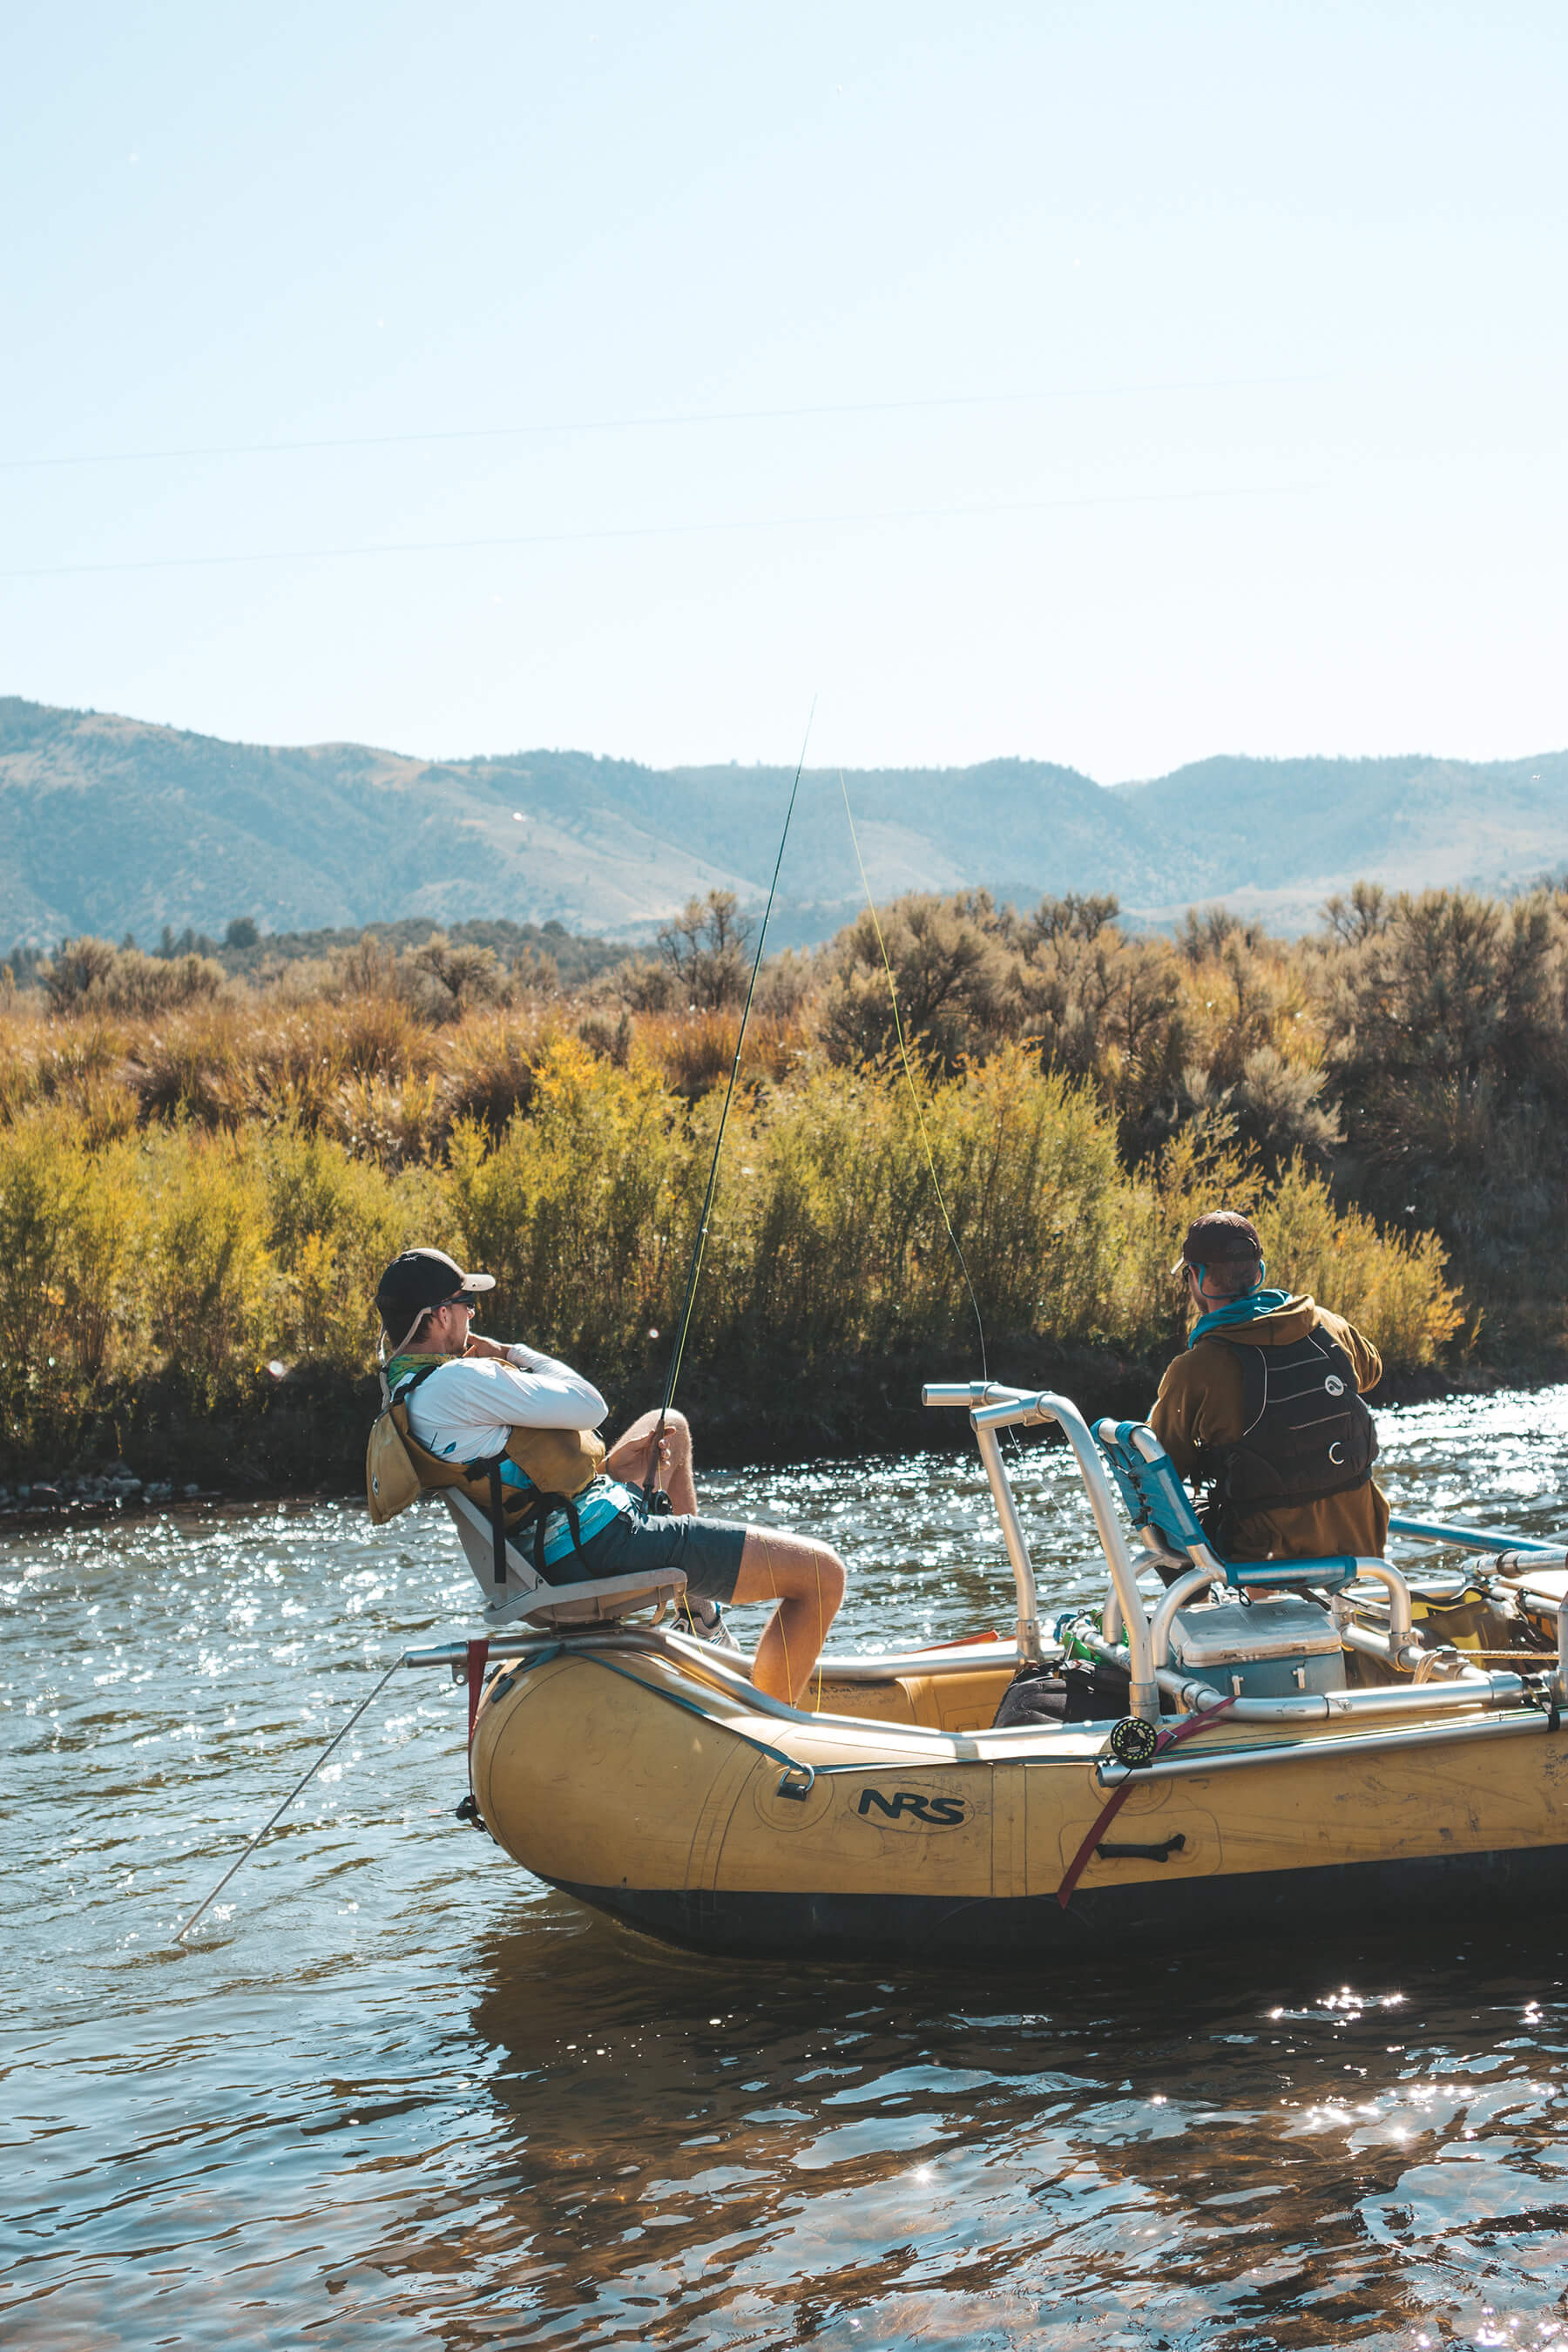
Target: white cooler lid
x: 1227, y: 1633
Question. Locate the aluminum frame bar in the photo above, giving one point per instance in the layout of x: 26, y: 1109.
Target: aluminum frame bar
x: 1471, y: 1539
x: 1235, y: 1759
x: 1029, y: 1412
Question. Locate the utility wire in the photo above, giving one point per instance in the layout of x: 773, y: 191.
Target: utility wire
x: 562, y: 428
x: 848, y: 518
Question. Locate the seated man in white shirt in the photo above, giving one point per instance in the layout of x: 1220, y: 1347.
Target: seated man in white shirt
x: 478, y: 1391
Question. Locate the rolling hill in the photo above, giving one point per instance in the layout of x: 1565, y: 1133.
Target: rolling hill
x: 111, y: 826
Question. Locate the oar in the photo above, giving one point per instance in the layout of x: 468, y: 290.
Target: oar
x: 1472, y: 1539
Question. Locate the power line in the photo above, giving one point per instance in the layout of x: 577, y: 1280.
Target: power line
x: 650, y: 423
x: 664, y: 530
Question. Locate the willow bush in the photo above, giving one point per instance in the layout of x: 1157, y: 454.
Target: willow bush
x: 1390, y: 1285
x: 571, y: 1210
x: 192, y: 1259
x: 831, y: 1234
x: 205, y: 1260
x: 72, y: 1226
x: 332, y: 1223
x: 215, y: 1283
x: 826, y: 1237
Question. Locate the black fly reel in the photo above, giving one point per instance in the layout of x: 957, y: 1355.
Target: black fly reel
x: 1134, y: 1742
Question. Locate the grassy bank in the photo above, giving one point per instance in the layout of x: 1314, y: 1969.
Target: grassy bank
x: 193, y: 1208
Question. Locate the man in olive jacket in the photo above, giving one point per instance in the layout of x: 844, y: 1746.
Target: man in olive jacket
x: 1266, y: 1403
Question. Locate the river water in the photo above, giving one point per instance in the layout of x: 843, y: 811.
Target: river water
x: 399, y: 2093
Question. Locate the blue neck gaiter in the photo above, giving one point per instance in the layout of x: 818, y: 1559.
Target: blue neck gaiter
x: 1238, y: 1310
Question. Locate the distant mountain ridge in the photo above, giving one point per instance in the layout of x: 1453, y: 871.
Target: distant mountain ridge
x: 113, y: 826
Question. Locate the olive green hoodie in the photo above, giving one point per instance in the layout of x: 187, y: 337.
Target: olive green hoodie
x: 1199, y: 1410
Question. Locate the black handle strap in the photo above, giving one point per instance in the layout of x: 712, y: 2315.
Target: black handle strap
x: 542, y: 1509
x: 536, y: 1512
x: 498, y: 1522
x: 1176, y: 1844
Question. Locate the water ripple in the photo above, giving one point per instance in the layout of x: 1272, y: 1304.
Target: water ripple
x: 400, y: 2093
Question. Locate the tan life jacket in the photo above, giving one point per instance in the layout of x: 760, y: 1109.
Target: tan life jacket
x: 560, y: 1462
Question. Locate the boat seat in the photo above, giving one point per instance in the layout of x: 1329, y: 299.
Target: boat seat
x: 1157, y: 1500
x: 593, y: 1601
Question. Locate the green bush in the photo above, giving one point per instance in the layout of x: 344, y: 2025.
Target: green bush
x: 216, y: 1285
x: 572, y: 1209
x: 90, y: 974
x: 1389, y: 1285
x: 826, y: 1236
x: 71, y: 1224
x: 332, y: 1223
x: 185, y: 1202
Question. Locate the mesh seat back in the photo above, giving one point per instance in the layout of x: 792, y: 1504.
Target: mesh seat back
x: 1156, y: 1497
x: 527, y: 1594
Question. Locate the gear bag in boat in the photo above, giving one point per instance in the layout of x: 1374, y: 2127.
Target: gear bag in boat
x: 559, y: 1463
x: 1305, y: 1431
x: 1070, y: 1693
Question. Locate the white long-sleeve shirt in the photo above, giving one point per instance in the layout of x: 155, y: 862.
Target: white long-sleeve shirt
x: 465, y: 1411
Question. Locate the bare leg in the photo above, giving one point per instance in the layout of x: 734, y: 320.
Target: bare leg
x: 803, y: 1576
x: 628, y: 1458
x: 807, y: 1580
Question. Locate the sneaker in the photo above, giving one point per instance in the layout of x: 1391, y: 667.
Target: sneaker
x: 705, y: 1618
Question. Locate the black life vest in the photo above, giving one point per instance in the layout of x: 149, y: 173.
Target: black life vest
x: 1305, y: 1432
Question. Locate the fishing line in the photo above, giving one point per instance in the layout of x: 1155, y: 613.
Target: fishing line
x: 695, y: 1267
x: 908, y: 1075
x: 337, y: 1737
x: 552, y: 427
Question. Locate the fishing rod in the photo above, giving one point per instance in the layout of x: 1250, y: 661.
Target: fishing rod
x: 692, y: 1271
x: 302, y: 1783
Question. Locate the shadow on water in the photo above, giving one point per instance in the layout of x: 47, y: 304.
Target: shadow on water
x: 1232, y: 2149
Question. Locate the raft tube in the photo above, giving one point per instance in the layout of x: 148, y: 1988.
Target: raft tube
x: 656, y: 1785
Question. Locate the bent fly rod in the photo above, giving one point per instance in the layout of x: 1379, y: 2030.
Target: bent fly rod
x: 684, y: 1320
x: 682, y: 1327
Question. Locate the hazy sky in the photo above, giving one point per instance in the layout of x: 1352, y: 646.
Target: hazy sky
x: 1109, y: 383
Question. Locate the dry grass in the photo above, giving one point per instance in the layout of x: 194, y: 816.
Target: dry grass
x: 195, y: 1192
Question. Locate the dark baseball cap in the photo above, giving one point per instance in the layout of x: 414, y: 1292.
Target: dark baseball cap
x: 421, y: 1279
x: 1219, y: 1239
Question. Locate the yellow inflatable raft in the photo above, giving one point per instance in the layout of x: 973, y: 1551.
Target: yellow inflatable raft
x: 1299, y: 1741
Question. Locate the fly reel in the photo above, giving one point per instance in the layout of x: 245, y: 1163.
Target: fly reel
x: 1134, y: 1742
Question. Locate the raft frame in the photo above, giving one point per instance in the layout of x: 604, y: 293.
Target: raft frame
x: 588, y: 1618
x: 716, y: 1816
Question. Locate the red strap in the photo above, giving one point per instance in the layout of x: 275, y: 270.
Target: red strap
x: 1118, y: 1796
x: 479, y: 1652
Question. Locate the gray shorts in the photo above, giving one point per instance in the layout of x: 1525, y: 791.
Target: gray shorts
x: 708, y: 1551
